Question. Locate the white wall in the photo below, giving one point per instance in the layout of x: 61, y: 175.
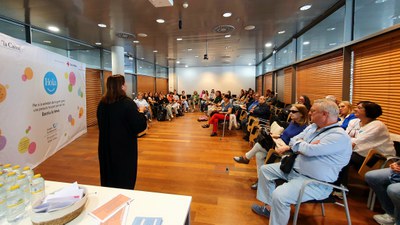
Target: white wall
x: 225, y: 78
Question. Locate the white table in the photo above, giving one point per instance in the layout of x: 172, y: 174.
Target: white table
x: 174, y: 209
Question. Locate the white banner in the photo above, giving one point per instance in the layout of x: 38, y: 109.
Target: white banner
x: 42, y: 102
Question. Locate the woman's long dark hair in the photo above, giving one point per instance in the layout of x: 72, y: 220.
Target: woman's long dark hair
x: 114, y: 90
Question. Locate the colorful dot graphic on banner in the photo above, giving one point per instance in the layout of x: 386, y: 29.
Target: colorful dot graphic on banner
x: 28, y: 74
x: 66, y: 75
x: 28, y: 129
x: 71, y: 120
x: 3, y: 92
x: 80, y: 112
x: 3, y: 141
x: 32, y: 147
x: 72, y: 80
x: 23, y: 145
x: 80, y: 93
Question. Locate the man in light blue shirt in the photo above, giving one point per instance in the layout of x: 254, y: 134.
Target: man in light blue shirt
x: 323, y: 149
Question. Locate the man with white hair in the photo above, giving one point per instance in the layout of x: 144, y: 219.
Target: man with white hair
x: 322, y: 149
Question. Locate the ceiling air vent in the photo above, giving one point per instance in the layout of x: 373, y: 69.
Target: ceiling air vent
x: 224, y: 29
x: 124, y: 35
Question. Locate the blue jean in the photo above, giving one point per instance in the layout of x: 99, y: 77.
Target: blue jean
x: 282, y: 197
x: 388, y: 194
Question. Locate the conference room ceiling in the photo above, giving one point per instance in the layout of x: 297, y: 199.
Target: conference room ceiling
x: 79, y: 20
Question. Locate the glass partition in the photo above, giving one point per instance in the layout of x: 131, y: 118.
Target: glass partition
x: 375, y: 15
x: 12, y: 29
x: 145, y: 68
x: 259, y: 69
x: 326, y: 35
x: 269, y: 64
x: 52, y: 43
x: 161, y: 71
x: 89, y: 56
x: 129, y: 64
x: 107, y: 60
x: 285, y: 56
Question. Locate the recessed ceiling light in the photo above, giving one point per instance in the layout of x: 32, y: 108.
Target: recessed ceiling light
x: 136, y: 41
x: 227, y: 36
x: 102, y: 25
x: 306, y: 43
x: 250, y: 27
x: 98, y: 43
x: 155, y: 51
x: 380, y: 1
x: 332, y: 44
x: 268, y: 45
x: 160, y: 21
x: 47, y: 41
x: 178, y: 62
x: 186, y: 66
x: 53, y: 28
x: 179, y: 39
x: 227, y: 14
x: 305, y: 7
x: 142, y: 35
x: 331, y: 29
x: 189, y: 49
x: 281, y: 32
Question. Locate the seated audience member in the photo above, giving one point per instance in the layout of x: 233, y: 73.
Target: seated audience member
x: 299, y: 116
x: 272, y: 98
x: 322, y: 149
x: 140, y: 102
x: 226, y: 108
x: 248, y: 108
x: 203, y: 101
x: 368, y: 133
x: 212, y: 95
x: 184, y: 101
x: 164, y: 104
x: 194, y: 100
x: 305, y: 100
x: 345, y: 114
x: 386, y: 185
x: 215, y: 103
x: 332, y: 98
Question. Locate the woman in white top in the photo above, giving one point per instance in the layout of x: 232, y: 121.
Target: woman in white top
x: 368, y: 133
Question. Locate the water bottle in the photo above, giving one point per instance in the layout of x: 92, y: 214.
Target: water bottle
x: 7, y: 168
x: 10, y: 179
x: 24, y: 185
x: 3, y: 199
x: 37, y: 188
x: 28, y: 172
x: 16, y: 169
x: 15, y: 204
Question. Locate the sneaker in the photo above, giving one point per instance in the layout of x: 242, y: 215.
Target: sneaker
x: 205, y: 126
x: 254, y: 186
x: 213, y: 134
x: 260, y: 210
x: 338, y: 194
x: 384, y: 219
x: 241, y: 159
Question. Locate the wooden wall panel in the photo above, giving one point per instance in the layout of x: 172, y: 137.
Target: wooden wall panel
x: 377, y: 76
x: 320, y: 78
x: 259, y: 84
x: 287, y: 94
x: 162, y: 85
x: 145, y: 83
x: 267, y: 82
x: 93, y: 95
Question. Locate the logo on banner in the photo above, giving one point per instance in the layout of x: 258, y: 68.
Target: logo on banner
x: 50, y: 83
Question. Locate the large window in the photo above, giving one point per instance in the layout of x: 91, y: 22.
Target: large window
x: 129, y: 64
x: 269, y: 64
x: 326, y: 35
x: 372, y: 16
x: 145, y: 68
x: 50, y: 42
x: 161, y: 71
x: 259, y: 69
x: 12, y: 29
x: 90, y: 56
x: 107, y: 60
x: 285, y: 56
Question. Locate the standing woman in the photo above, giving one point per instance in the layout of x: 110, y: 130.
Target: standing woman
x: 119, y: 121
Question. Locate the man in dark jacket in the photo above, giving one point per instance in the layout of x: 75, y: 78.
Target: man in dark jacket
x: 260, y: 111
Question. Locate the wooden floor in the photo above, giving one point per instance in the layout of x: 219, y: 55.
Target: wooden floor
x: 180, y: 157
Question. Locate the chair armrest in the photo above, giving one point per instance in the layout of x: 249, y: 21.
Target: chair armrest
x: 390, y: 158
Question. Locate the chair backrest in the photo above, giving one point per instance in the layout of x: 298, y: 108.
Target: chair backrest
x: 373, y: 161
